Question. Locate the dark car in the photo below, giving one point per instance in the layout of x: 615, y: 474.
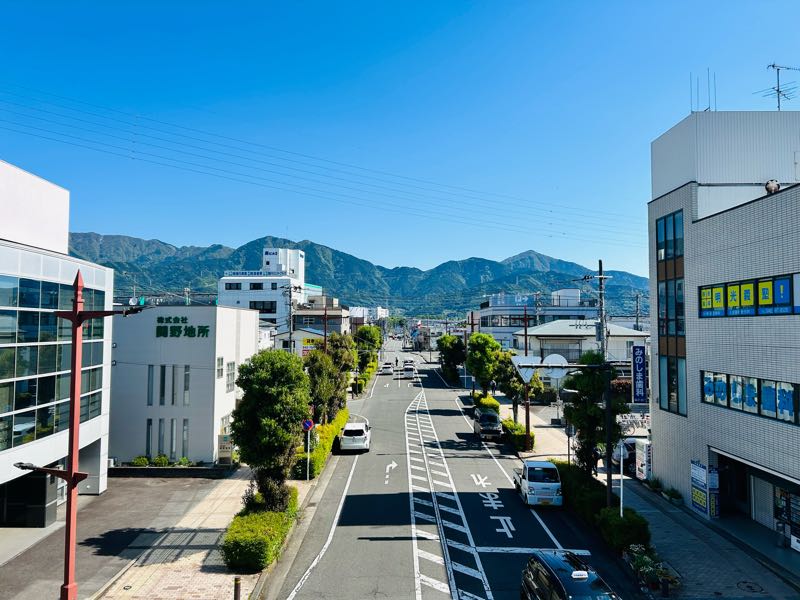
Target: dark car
x: 487, y: 425
x: 562, y: 575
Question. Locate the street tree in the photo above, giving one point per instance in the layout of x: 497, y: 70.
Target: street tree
x: 325, y: 383
x: 586, y: 412
x: 368, y: 341
x: 267, y: 423
x: 510, y: 383
x: 482, y: 358
x: 342, y: 350
x: 452, y: 353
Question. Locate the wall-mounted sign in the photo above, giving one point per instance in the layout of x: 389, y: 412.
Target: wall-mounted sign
x: 699, y: 476
x: 767, y: 296
x: 639, y: 370
x: 224, y: 448
x: 175, y: 327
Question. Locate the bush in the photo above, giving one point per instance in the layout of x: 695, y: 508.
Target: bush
x: 184, y: 462
x: 655, y: 483
x: 673, y: 494
x: 161, y: 461
x: 140, y: 461
x: 515, y: 433
x: 319, y: 455
x: 272, y: 495
x: 487, y: 403
x: 254, y: 539
x: 622, y: 532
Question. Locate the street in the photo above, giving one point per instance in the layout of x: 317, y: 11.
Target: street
x: 429, y: 512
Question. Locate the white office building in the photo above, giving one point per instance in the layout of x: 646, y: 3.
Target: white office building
x: 36, y: 277
x: 174, y: 372
x: 724, y: 230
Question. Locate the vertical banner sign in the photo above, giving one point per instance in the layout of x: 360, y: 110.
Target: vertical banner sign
x: 713, y: 492
x: 699, y: 487
x: 639, y: 371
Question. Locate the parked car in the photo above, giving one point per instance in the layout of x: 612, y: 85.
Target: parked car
x: 487, y: 425
x: 538, y: 482
x: 562, y: 575
x: 355, y: 436
x: 628, y: 454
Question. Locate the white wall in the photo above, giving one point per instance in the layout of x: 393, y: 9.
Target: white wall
x: 34, y: 211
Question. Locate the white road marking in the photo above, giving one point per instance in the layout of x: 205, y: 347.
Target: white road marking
x: 417, y: 467
x: 467, y: 570
x: 435, y: 472
x: 417, y: 477
x: 467, y: 596
x: 506, y: 526
x: 446, y: 508
x: 431, y: 557
x: 435, y: 584
x: 445, y: 495
x: 455, y: 526
x: 423, y: 502
x: 480, y: 480
x: 421, y: 533
x: 322, y: 552
x: 442, y: 483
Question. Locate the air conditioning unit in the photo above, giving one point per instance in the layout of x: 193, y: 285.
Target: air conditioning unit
x: 112, y: 462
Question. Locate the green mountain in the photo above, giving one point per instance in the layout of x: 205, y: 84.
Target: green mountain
x: 154, y: 267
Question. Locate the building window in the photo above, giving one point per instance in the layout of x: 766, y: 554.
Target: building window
x: 175, y: 384
x: 161, y: 433
x: 256, y: 286
x: 672, y: 384
x: 273, y: 286
x: 173, y: 438
x: 162, y: 385
x: 219, y: 367
x: 669, y: 236
x: 264, y: 306
x: 148, y: 440
x: 309, y: 320
x: 149, y: 385
x: 186, y: 385
x: 185, y: 439
x: 230, y: 376
x: 233, y: 286
x: 764, y: 397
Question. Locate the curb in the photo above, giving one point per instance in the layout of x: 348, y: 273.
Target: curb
x: 99, y: 593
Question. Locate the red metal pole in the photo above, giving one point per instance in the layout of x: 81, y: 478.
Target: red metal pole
x: 69, y: 590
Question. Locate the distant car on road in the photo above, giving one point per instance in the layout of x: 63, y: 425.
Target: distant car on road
x: 487, y: 425
x: 355, y: 436
x: 387, y: 369
x: 409, y: 371
x: 562, y: 575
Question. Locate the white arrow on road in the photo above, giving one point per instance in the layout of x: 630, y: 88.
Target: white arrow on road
x: 389, y: 467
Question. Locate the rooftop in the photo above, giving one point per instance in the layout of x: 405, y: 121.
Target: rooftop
x: 578, y: 328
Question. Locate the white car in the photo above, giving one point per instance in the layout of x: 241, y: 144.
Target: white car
x: 409, y: 372
x: 355, y: 436
x: 387, y: 369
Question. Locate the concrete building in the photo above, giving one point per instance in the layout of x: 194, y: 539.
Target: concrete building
x: 503, y: 314
x: 269, y: 290
x: 725, y: 270
x: 36, y: 277
x: 174, y: 372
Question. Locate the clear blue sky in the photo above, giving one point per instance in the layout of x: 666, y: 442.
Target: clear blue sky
x: 539, y: 115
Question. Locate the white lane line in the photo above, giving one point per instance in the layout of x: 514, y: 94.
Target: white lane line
x: 424, y: 516
x: 445, y: 508
x: 435, y: 584
x: 421, y: 533
x: 467, y: 570
x: 431, y: 557
x: 417, y: 467
x: 455, y: 526
x: 442, y: 483
x: 460, y: 546
x: 373, y: 388
x: 423, y: 502
x: 419, y: 488
x: 417, y: 477
x: 322, y: 552
x: 414, y: 531
x: 546, y: 529
x: 445, y: 495
x: 467, y: 596
x: 435, y: 472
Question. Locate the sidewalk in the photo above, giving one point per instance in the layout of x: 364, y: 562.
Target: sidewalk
x: 712, y: 562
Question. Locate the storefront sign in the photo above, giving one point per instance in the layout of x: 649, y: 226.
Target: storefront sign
x: 713, y: 492
x: 699, y: 487
x: 224, y: 448
x: 175, y: 327
x: 309, y: 344
x: 767, y: 296
x: 639, y: 370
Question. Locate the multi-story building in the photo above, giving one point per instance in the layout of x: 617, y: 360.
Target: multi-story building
x: 312, y: 320
x: 502, y: 315
x: 174, y: 371
x: 280, y: 282
x: 725, y: 270
x: 36, y: 277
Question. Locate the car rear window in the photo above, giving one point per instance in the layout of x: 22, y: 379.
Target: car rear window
x: 543, y: 474
x: 353, y: 432
x: 489, y: 418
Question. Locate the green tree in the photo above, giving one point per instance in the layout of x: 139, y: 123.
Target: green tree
x: 324, y: 379
x: 342, y: 350
x: 267, y: 422
x: 585, y: 410
x: 510, y: 383
x: 452, y: 353
x: 368, y: 341
x: 482, y: 358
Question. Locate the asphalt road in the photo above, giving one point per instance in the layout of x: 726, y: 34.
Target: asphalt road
x: 445, y: 522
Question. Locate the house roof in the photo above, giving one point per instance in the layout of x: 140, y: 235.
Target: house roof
x: 578, y: 328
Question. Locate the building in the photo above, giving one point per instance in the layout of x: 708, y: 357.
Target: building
x: 572, y: 338
x: 36, y: 277
x: 281, y: 281
x: 174, y: 372
x: 312, y: 320
x: 725, y: 270
x: 503, y: 314
x: 304, y: 340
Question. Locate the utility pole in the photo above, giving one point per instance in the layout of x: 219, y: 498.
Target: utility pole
x: 537, y: 303
x: 527, y: 392
x: 186, y: 296
x: 325, y: 327
x: 289, y: 289
x: 638, y: 295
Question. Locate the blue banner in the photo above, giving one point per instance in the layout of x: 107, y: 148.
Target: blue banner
x: 639, y: 375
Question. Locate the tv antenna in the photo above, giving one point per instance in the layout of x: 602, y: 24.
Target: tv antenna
x: 786, y: 92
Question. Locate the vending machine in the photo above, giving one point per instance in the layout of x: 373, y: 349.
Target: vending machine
x: 644, y: 459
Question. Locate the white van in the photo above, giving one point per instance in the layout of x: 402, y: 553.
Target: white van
x: 538, y: 483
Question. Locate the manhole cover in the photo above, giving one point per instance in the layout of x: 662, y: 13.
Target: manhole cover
x: 749, y: 586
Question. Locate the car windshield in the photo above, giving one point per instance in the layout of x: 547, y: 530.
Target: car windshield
x: 489, y: 418
x: 543, y: 474
x: 353, y: 432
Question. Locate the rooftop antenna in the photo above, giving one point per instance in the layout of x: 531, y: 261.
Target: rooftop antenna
x: 785, y: 92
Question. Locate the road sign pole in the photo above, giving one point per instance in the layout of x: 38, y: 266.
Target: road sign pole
x: 527, y: 420
x: 308, y: 455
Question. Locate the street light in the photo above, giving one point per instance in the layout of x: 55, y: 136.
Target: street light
x: 77, y: 316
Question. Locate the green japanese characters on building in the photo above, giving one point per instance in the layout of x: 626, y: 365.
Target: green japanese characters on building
x: 175, y: 327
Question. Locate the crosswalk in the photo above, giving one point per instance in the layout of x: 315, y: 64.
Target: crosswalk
x: 446, y: 561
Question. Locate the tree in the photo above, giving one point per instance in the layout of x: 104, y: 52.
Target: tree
x: 510, y: 383
x: 368, y: 341
x: 342, y: 351
x: 324, y: 379
x: 585, y: 411
x: 482, y: 358
x: 452, y: 353
x: 267, y: 422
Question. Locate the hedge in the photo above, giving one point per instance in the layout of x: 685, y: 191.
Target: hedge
x: 319, y: 455
x: 363, y: 378
x: 487, y: 403
x: 515, y: 432
x: 254, y: 539
x: 622, y: 532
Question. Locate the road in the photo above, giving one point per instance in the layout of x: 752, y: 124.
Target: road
x: 429, y: 513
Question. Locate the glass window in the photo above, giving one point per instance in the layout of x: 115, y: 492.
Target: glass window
x: 162, y: 386
x: 98, y: 327
x: 84, y: 408
x: 46, y: 390
x: 64, y: 330
x: 86, y: 355
x: 27, y: 360
x: 95, y: 404
x: 24, y: 394
x: 256, y: 286
x: 663, y: 374
x: 85, y: 379
x: 45, y: 421
x: 175, y: 385
x: 735, y: 386
x: 220, y: 369
x: 97, y: 354
x: 8, y: 358
x: 786, y: 402
x: 161, y: 436
x: 9, y: 289
x: 8, y: 326
x: 47, y: 359
x: 24, y: 427
x: 679, y: 233
x: 671, y: 307
x: 149, y: 386
x: 186, y: 386
x: 88, y: 299
x: 662, y: 308
x: 29, y: 293
x: 63, y: 357
x: 672, y: 362
x: 660, y: 239
x: 27, y: 326
x: 63, y: 383
x: 273, y: 286
x: 185, y: 439
x: 6, y: 397
x: 682, y: 386
x: 708, y: 387
x: 679, y: 314
x: 65, y: 296
x: 48, y: 324
x: 720, y: 389
x: 750, y: 389
x: 62, y: 416
x: 173, y: 438
x: 6, y: 425
x: 148, y: 440
x: 669, y: 224
x: 99, y: 300
x: 769, y: 405
x: 49, y: 295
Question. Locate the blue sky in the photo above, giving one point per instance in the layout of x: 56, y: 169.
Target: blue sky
x: 406, y: 133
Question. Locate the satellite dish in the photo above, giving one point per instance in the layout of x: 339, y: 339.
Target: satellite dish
x: 555, y: 373
x: 772, y: 186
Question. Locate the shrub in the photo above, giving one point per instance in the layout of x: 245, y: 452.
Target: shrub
x: 673, y: 494
x: 655, y: 483
x: 584, y: 495
x: 487, y: 403
x: 184, y: 462
x: 515, y: 433
x: 622, y: 532
x: 161, y: 461
x: 254, y: 539
x: 140, y: 461
x: 319, y: 455
x: 273, y: 495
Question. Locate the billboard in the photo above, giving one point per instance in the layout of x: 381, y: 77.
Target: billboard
x: 639, y: 375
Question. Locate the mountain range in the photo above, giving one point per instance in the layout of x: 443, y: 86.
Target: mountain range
x: 153, y: 267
